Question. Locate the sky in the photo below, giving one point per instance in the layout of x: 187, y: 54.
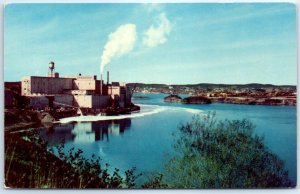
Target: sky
x: 229, y: 43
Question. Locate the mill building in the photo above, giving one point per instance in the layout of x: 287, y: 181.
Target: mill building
x: 74, y: 91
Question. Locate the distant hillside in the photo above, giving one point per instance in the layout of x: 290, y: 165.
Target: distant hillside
x: 209, y: 85
x: 141, y: 85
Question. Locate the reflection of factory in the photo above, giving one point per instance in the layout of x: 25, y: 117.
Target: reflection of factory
x: 78, y: 91
x: 85, y: 131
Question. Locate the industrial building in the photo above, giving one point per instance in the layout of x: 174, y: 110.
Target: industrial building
x: 74, y: 91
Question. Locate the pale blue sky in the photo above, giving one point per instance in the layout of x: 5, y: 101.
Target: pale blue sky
x: 195, y: 43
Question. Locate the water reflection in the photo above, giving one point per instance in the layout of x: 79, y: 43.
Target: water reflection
x: 85, y: 132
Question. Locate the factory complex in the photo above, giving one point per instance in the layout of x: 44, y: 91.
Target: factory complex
x: 75, y: 91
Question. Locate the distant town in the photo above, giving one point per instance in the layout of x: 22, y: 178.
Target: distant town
x: 252, y: 94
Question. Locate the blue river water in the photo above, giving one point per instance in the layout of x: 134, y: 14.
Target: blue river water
x: 143, y: 139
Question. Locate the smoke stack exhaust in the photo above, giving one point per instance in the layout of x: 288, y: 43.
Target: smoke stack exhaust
x: 119, y: 43
x: 107, y: 77
x: 101, y: 84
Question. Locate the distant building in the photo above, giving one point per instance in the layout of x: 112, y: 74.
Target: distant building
x: 76, y: 91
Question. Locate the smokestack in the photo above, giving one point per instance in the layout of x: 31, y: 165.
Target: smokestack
x: 107, y: 77
x: 101, y: 84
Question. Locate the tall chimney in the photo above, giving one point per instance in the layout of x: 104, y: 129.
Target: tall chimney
x: 101, y: 84
x: 107, y: 77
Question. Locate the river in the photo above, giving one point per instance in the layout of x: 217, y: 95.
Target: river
x: 143, y: 139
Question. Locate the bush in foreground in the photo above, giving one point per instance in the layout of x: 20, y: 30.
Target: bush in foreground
x: 29, y: 164
x: 223, y: 154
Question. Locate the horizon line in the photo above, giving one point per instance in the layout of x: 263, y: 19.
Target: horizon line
x: 295, y: 85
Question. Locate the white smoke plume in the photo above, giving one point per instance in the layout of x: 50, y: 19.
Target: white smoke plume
x: 120, y: 42
x: 157, y: 35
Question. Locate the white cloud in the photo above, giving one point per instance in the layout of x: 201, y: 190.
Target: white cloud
x: 156, y: 35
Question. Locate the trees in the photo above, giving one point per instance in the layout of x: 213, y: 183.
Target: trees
x: 29, y: 163
x: 223, y: 154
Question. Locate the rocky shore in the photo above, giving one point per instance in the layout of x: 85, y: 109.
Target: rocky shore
x: 196, y: 100
x: 250, y: 94
x: 247, y: 100
x: 271, y: 101
x: 189, y: 100
x: 173, y: 98
x: 16, y: 119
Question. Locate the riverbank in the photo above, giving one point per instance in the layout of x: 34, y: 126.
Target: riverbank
x: 271, y: 101
x: 30, y: 163
x: 15, y: 119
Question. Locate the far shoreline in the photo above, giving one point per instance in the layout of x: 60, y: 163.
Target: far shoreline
x: 205, y: 93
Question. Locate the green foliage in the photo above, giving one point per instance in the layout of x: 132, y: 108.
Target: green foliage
x: 155, y: 182
x: 223, y: 154
x: 92, y: 175
x: 131, y: 177
x: 29, y: 163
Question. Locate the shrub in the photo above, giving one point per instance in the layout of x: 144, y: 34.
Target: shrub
x: 223, y: 154
x: 29, y: 163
